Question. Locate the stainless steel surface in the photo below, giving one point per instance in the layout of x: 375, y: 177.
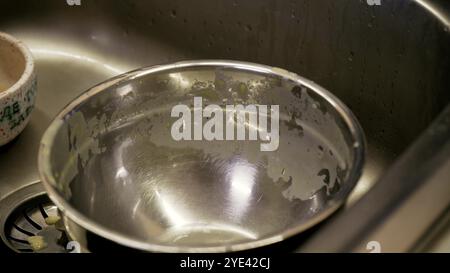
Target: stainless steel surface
x: 111, y: 164
x: 388, y: 63
x: 402, y: 206
x: 437, y: 238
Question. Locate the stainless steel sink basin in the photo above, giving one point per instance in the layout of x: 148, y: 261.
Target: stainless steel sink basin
x: 388, y: 63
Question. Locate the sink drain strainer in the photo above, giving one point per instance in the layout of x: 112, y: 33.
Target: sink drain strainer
x: 25, y: 216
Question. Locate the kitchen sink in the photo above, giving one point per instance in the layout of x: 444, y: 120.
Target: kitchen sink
x: 389, y: 63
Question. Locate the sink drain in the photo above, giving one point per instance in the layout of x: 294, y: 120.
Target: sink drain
x: 27, y: 215
x: 23, y: 217
x: 29, y: 221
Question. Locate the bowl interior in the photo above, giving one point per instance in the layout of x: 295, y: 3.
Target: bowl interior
x: 12, y: 63
x: 113, y: 159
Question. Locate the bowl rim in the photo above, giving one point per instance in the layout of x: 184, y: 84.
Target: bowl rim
x: 27, y: 73
x: 44, y: 166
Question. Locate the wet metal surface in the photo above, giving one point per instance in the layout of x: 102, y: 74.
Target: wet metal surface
x: 388, y: 63
x: 111, y: 163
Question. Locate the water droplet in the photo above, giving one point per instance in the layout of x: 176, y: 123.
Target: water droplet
x: 350, y: 58
x: 320, y: 151
x: 173, y: 13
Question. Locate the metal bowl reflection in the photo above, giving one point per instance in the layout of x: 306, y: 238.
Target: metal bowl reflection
x: 111, y: 163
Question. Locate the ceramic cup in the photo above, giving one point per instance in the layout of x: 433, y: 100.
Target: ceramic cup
x: 17, y: 87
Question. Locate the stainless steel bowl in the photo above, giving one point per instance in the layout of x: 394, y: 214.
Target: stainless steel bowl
x: 111, y: 165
